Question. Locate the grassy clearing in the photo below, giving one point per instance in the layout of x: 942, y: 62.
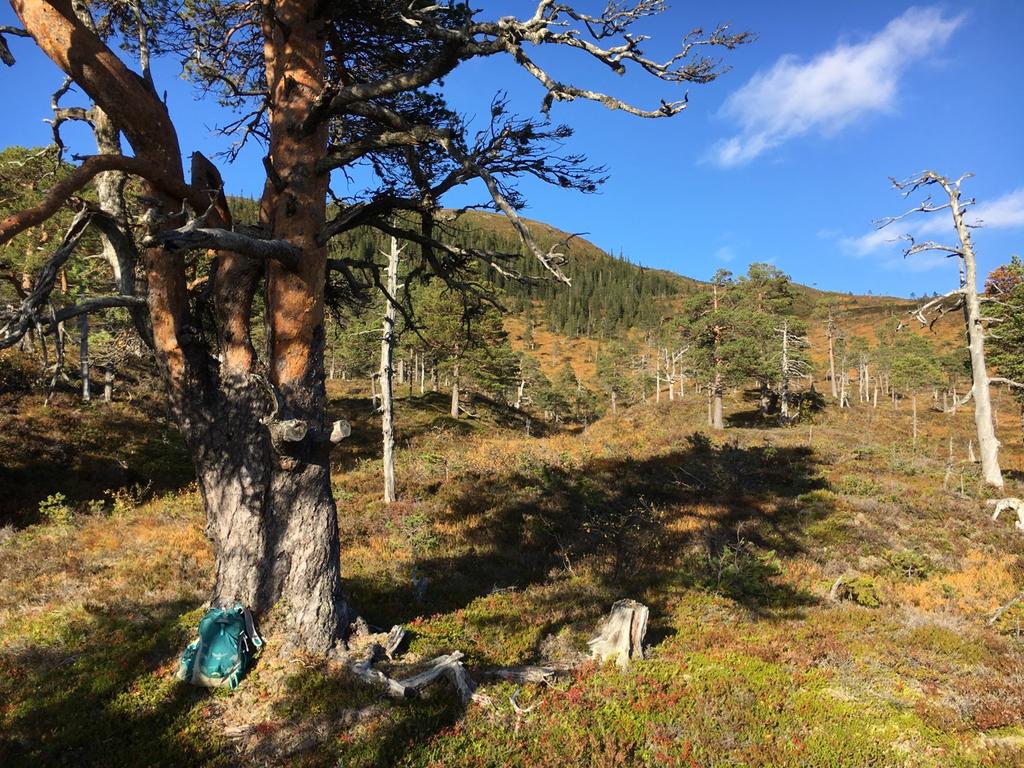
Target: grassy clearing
x: 735, y: 541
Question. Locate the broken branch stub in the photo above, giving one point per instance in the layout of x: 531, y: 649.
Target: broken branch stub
x: 289, y: 431
x: 394, y: 639
x: 340, y: 430
x: 621, y: 633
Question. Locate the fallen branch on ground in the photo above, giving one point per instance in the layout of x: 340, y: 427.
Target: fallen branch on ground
x: 1009, y: 503
x: 620, y: 637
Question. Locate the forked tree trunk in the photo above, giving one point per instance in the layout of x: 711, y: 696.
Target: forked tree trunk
x: 270, y: 513
x: 305, y: 571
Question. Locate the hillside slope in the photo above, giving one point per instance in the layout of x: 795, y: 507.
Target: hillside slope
x: 555, y: 343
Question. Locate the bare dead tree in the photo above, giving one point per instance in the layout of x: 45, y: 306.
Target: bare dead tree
x: 791, y: 365
x: 387, y: 350
x: 830, y: 333
x: 965, y: 298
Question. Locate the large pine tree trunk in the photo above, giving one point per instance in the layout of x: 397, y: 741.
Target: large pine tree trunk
x: 303, y: 530
x: 270, y: 513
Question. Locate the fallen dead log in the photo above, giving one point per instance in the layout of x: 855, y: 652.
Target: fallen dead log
x: 364, y: 670
x: 1004, y: 608
x: 620, y: 636
x: 528, y: 674
x: 450, y: 667
x: 1011, y: 504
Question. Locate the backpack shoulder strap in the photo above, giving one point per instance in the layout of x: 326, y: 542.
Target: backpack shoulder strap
x: 250, y: 628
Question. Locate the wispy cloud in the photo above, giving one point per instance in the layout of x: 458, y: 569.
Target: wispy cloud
x: 832, y: 90
x: 885, y: 246
x: 870, y: 243
x: 1006, y: 212
x: 725, y: 254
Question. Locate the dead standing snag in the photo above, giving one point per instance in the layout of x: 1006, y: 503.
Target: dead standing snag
x: 964, y: 298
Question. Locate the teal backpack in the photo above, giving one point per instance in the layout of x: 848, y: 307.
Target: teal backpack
x: 227, y: 644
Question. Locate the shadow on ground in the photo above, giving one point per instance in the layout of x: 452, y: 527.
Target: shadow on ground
x: 707, y: 516
x: 98, y: 693
x: 83, y: 451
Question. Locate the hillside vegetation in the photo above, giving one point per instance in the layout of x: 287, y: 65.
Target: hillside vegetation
x: 373, y: 472
x: 820, y: 596
x: 828, y: 593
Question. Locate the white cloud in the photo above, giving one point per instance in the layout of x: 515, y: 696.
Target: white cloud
x: 725, y: 254
x: 870, y: 243
x: 1006, y: 212
x: 830, y: 91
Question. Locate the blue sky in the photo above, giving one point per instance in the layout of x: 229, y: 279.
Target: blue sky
x: 785, y: 158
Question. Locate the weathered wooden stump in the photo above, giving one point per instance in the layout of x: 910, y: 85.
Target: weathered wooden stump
x: 621, y: 634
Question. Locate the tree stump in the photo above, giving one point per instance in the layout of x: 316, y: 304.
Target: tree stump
x: 621, y: 634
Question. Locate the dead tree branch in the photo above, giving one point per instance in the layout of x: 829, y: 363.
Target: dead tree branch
x: 27, y: 315
x: 192, y: 236
x: 63, y: 190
